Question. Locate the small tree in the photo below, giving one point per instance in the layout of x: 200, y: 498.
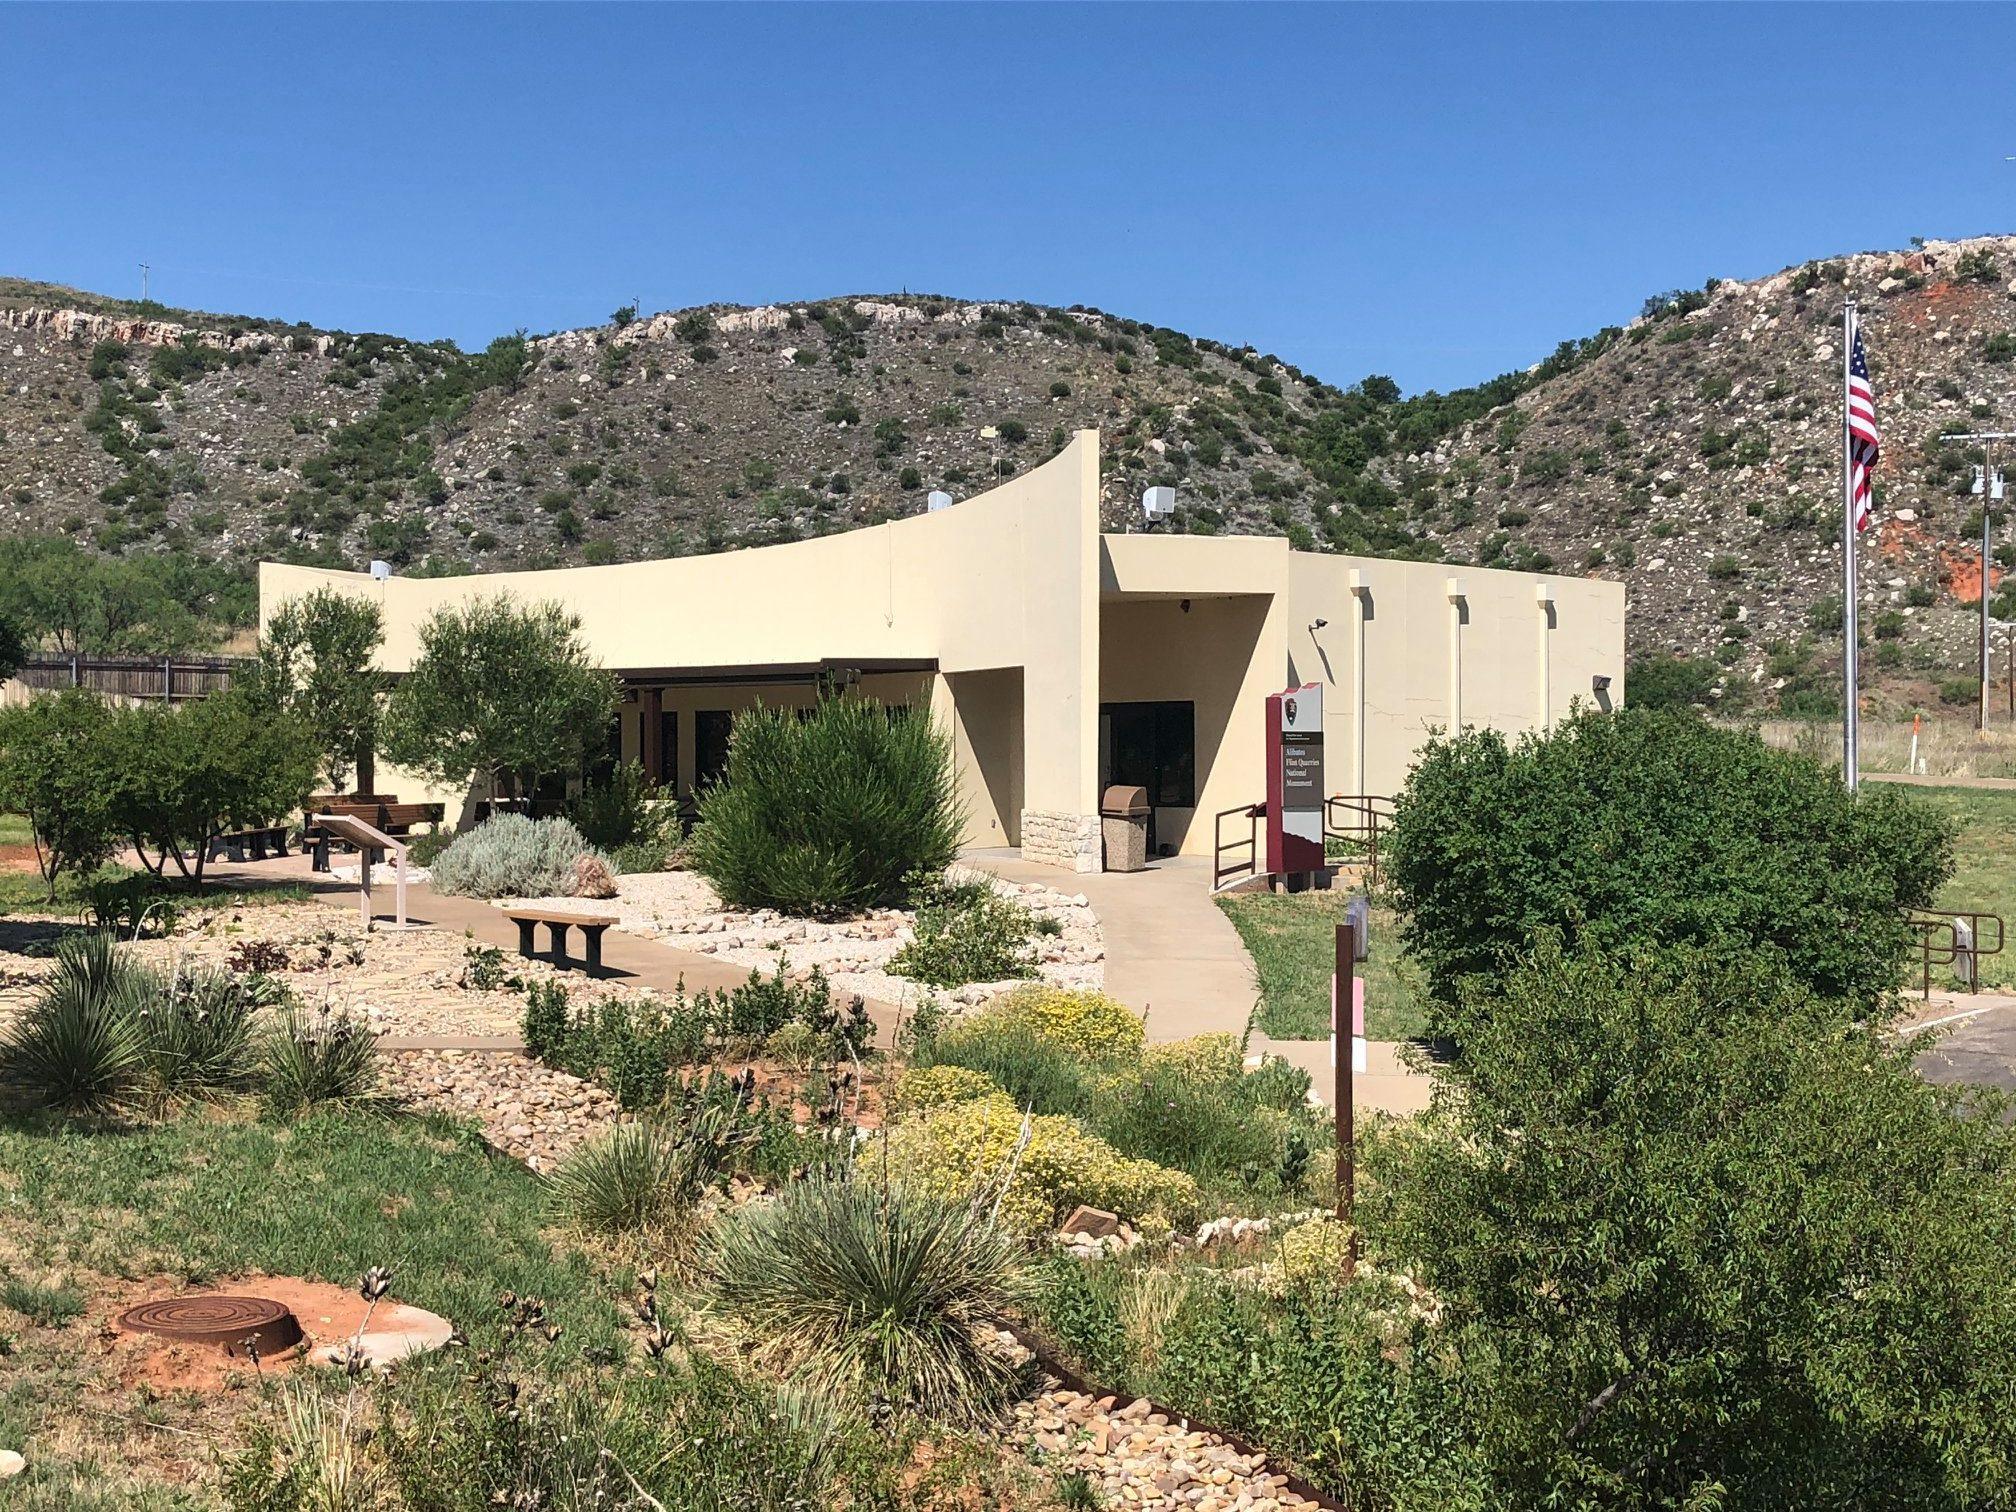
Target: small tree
x: 502, y: 691
x: 315, y: 665
x: 55, y: 768
x: 831, y: 813
x: 1699, y: 1246
x: 183, y: 775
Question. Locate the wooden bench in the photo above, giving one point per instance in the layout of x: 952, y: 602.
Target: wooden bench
x: 557, y: 924
x: 249, y: 844
x: 391, y: 818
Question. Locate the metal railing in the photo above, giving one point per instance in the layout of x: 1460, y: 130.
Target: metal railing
x: 1225, y: 863
x: 1939, y: 941
x: 1357, y: 820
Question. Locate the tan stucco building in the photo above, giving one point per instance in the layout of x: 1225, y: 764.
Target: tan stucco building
x: 1059, y: 657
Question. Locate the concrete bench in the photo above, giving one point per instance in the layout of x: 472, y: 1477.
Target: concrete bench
x: 557, y: 924
x: 249, y: 844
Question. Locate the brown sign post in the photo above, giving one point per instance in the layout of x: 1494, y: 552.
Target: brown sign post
x: 1341, y: 1029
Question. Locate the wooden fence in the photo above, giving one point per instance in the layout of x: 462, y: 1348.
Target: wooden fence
x: 128, y: 679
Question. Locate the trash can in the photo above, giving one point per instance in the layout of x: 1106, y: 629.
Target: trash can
x: 1123, y: 823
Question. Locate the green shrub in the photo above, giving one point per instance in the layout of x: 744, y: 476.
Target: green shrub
x: 636, y: 1047
x: 962, y: 1147
x: 966, y: 932
x: 196, y: 1037
x: 1011, y: 1055
x: 79, y: 1047
x: 624, y: 809
x: 829, y: 814
x: 314, y: 1059
x: 921, y: 1087
x: 1669, y: 682
x: 639, y: 1177
x: 1789, y: 1271
x: 425, y: 850
x: 879, y: 1294
x: 511, y: 856
x: 56, y: 756
x: 1644, y: 826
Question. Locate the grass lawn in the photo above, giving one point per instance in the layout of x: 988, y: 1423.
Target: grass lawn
x: 1292, y: 939
x: 15, y: 830
x: 1984, y: 871
x: 86, y: 1211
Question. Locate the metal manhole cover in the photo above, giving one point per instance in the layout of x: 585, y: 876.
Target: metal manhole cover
x: 230, y: 1323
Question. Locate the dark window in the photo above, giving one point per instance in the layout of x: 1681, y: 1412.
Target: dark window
x: 1154, y: 746
x: 668, y: 749
x: 711, y: 729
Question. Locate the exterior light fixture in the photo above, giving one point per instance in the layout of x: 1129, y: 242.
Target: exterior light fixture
x: 1317, y: 624
x: 1600, y: 683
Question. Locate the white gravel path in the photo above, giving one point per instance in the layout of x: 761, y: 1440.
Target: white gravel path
x: 683, y: 910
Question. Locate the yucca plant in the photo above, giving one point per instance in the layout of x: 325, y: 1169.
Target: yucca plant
x: 640, y: 1176
x: 320, y: 1058
x: 828, y: 814
x: 873, y: 1291
x: 196, y: 1035
x: 79, y: 1047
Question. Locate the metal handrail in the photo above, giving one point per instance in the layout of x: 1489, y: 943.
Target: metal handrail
x: 1939, y: 940
x: 1223, y: 870
x: 1358, y: 816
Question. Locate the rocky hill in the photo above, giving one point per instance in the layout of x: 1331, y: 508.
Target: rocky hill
x: 1693, y: 453
x: 1698, y: 457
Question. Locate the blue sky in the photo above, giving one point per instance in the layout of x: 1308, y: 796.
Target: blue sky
x: 1435, y: 192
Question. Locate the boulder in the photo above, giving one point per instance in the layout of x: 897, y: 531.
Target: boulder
x: 592, y: 878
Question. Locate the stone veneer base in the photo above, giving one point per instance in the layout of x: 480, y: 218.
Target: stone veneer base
x: 1067, y: 840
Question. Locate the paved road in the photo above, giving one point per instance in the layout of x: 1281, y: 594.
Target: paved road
x: 1980, y: 1048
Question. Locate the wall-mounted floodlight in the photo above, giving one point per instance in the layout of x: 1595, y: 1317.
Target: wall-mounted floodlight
x: 1158, y: 503
x: 1317, y: 624
x: 1600, y: 683
x: 381, y: 570
x: 938, y: 499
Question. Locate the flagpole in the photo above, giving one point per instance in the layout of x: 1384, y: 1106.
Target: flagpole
x: 1850, y: 712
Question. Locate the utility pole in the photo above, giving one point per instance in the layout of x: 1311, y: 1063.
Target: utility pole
x: 1988, y: 484
x: 143, y: 282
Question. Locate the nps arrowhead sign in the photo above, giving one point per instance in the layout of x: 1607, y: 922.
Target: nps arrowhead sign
x: 1295, y: 780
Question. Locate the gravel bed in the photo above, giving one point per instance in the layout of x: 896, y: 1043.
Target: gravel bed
x: 1140, y: 1458
x: 683, y: 910
x: 528, y: 1110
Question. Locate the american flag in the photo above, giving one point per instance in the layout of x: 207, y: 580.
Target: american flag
x: 1864, y: 445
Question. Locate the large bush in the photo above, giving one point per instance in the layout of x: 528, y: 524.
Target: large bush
x: 828, y: 814
x: 511, y: 856
x: 1695, y: 1240
x: 1646, y: 826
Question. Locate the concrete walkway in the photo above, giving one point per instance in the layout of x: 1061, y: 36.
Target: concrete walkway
x: 1171, y: 952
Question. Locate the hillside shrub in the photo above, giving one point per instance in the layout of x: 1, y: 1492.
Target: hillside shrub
x: 1645, y: 826
x: 1669, y: 682
x: 954, y: 1150
x: 829, y: 814
x: 511, y: 856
